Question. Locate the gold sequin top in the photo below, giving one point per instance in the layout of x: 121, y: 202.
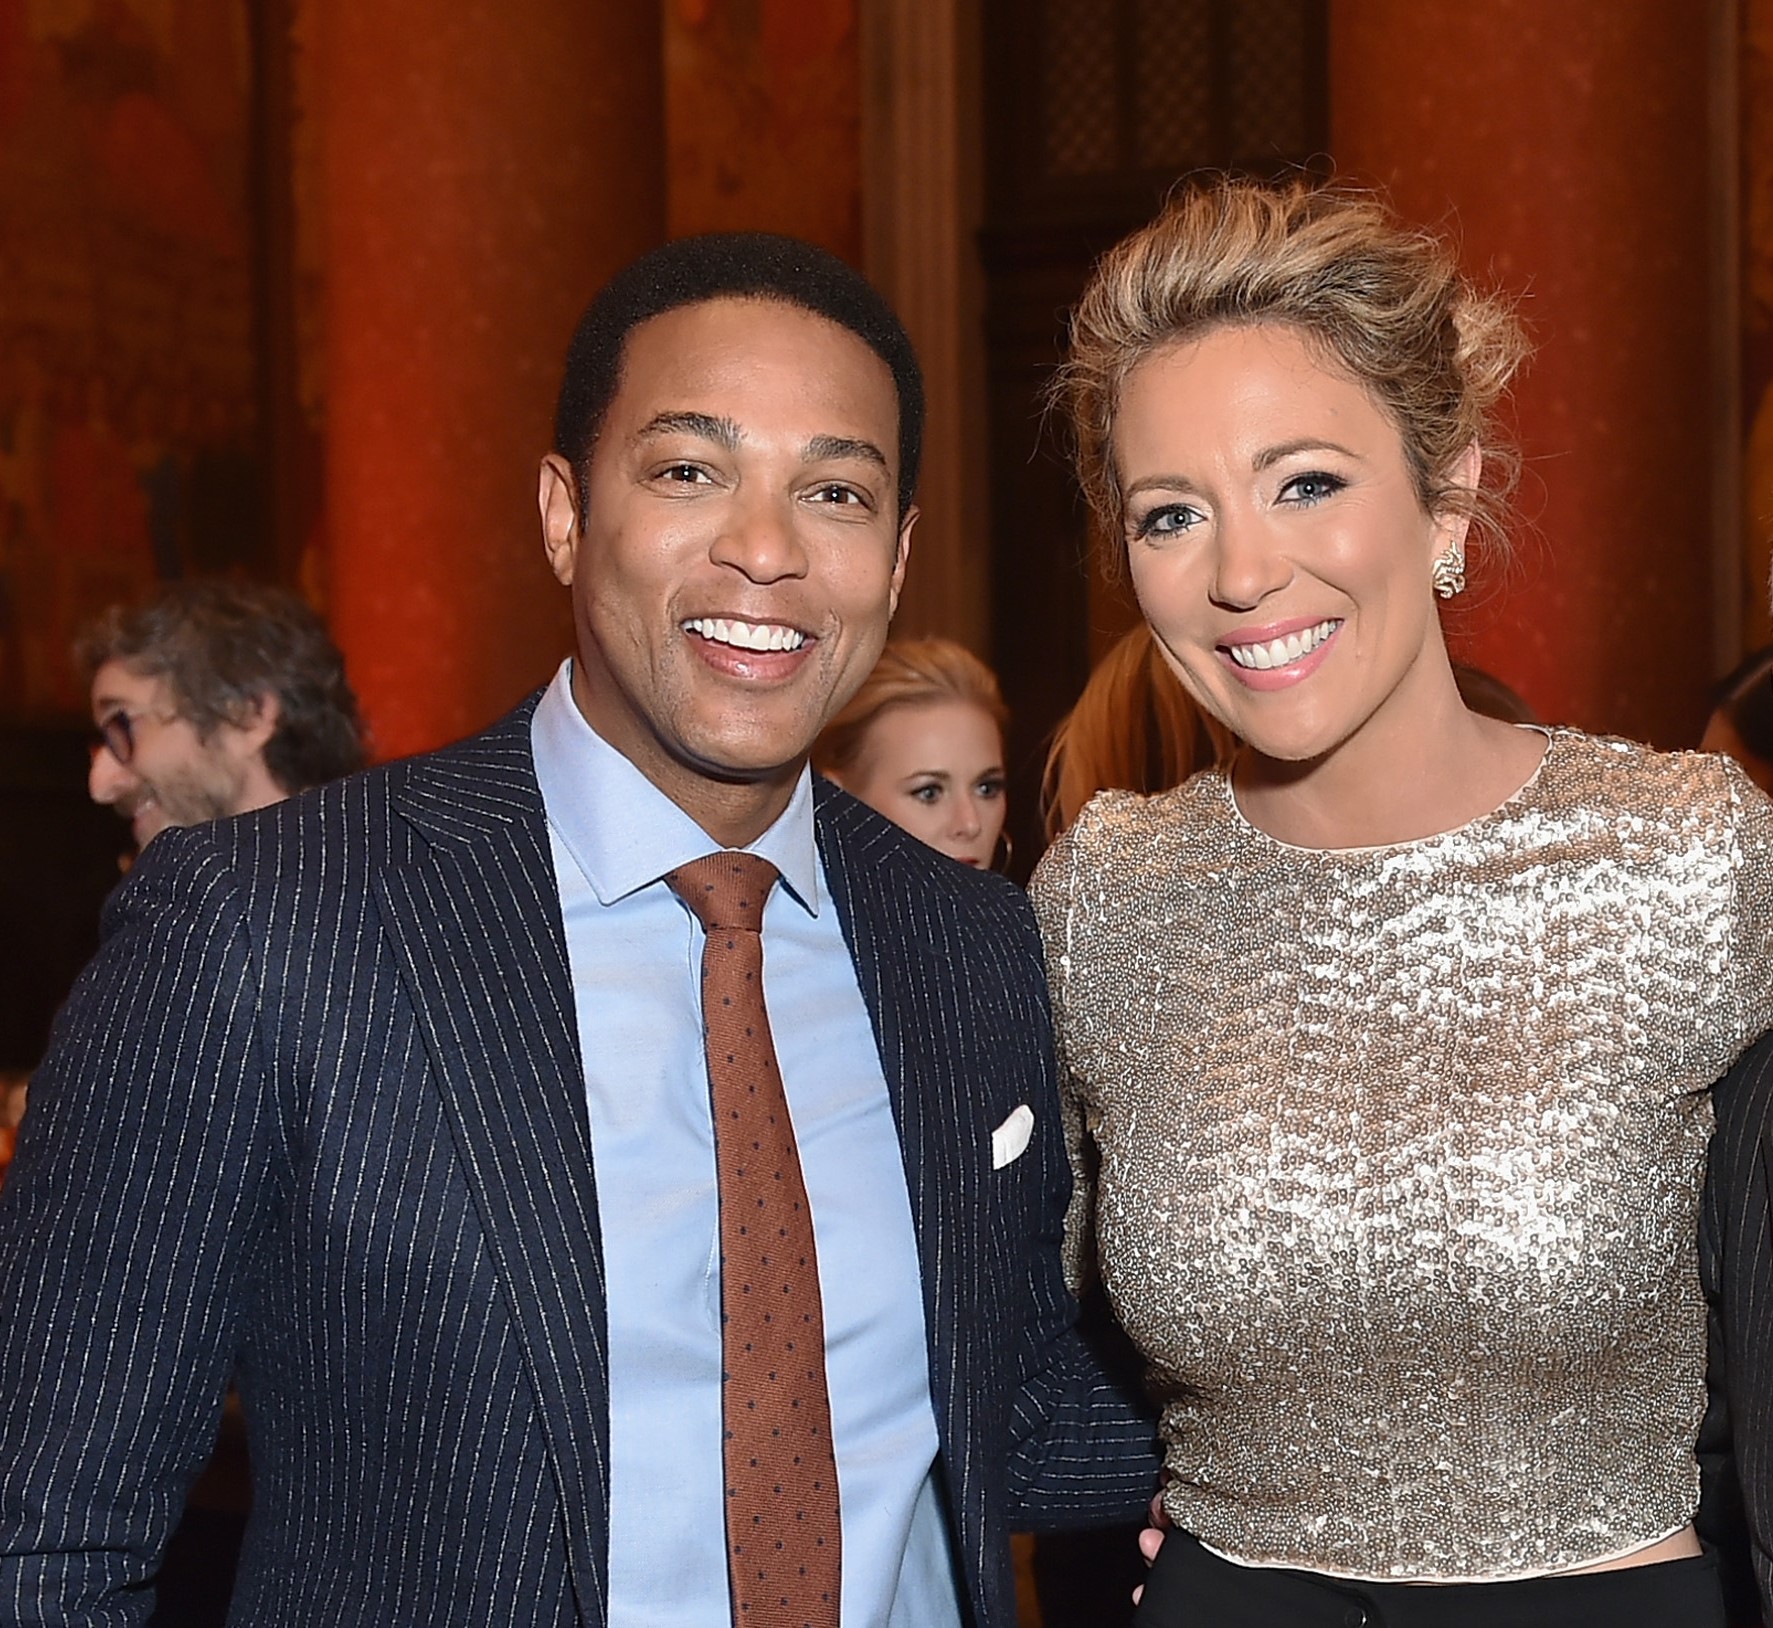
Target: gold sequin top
x: 1395, y: 1153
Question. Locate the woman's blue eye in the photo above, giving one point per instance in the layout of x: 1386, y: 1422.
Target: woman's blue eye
x: 1311, y: 488
x: 1168, y: 520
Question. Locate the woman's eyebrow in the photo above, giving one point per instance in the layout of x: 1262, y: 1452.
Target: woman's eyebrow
x: 1160, y: 483
x: 1286, y: 449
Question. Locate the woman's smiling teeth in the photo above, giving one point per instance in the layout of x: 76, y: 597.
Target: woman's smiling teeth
x: 1284, y: 651
x: 746, y: 635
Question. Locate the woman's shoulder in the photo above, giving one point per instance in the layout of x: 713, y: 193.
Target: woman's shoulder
x: 1120, y: 834
x: 1112, y: 820
x: 1646, y: 781
x: 1200, y: 799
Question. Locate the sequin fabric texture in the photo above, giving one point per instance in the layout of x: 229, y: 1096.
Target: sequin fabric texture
x: 1394, y: 1154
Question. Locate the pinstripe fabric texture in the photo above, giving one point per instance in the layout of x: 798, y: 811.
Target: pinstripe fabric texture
x: 316, y: 1108
x: 1736, y: 1267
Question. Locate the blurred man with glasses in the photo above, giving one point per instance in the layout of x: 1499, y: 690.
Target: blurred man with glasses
x: 216, y: 698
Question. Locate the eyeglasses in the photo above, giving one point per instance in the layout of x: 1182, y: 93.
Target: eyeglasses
x: 116, y: 731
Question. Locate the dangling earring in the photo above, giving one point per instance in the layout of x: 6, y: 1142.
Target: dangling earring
x: 1009, y: 853
x: 1448, y: 574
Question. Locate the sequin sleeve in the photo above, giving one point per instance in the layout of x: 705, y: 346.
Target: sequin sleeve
x: 1053, y: 890
x: 1751, y: 945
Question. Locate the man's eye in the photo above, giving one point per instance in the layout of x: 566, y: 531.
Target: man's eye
x: 683, y: 474
x: 837, y: 493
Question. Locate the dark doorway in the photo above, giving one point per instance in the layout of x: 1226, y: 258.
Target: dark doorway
x: 1094, y: 109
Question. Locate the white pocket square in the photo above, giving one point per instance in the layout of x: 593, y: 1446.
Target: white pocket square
x: 1010, y: 1140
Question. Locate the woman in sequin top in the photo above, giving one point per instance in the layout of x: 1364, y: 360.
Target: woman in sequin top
x: 1389, y: 1044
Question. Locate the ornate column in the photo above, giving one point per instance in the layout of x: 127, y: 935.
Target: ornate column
x: 1570, y: 145
x: 922, y: 209
x: 484, y: 167
x: 761, y: 119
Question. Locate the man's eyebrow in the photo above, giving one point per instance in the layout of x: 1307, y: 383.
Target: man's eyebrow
x: 723, y: 432
x: 823, y: 447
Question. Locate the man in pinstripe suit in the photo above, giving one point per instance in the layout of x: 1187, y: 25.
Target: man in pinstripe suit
x: 393, y: 1094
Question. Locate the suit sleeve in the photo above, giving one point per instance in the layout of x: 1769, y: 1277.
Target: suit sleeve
x: 129, y: 1225
x: 1751, y: 931
x: 1736, y: 1265
x: 1084, y: 1437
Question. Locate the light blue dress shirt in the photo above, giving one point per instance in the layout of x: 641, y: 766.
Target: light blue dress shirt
x: 635, y: 952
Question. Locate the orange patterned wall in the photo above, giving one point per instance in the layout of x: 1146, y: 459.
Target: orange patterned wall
x: 1577, y: 180
x: 127, y: 363
x: 763, y: 119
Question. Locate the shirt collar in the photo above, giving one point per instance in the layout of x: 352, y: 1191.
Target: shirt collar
x: 622, y: 831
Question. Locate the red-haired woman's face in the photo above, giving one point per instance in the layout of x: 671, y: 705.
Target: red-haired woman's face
x: 935, y: 768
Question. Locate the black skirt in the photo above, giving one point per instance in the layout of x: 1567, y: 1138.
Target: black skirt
x: 1190, y: 1587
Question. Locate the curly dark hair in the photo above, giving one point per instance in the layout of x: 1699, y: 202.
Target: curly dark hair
x: 221, y: 647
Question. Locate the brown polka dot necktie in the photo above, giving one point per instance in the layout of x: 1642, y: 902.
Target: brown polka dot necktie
x: 782, y: 1531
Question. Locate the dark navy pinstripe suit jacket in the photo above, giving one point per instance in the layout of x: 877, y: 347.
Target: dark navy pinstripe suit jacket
x: 317, y: 1109
x: 1736, y: 1265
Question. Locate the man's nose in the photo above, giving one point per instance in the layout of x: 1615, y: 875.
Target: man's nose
x: 107, y: 780
x: 761, y: 540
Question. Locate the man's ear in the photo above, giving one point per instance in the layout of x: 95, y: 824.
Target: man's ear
x: 258, y: 723
x: 903, y: 554
x: 245, y: 738
x: 557, y: 499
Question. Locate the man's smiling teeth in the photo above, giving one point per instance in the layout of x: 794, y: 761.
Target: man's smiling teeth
x: 1282, y: 652
x: 747, y: 635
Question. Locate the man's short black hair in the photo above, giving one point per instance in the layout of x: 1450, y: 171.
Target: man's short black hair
x: 730, y: 265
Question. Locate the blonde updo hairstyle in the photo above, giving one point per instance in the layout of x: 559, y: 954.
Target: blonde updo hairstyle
x: 910, y: 672
x: 1386, y: 305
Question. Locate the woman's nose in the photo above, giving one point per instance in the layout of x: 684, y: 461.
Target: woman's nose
x: 1247, y: 566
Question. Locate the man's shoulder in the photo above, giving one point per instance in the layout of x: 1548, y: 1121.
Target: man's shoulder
x: 886, y: 865
x: 328, y: 841
x: 1743, y: 1102
x: 920, y: 908
x: 489, y: 776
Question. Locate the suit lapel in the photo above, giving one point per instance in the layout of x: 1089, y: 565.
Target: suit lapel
x: 475, y: 918
x: 890, y: 920
x: 852, y: 868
